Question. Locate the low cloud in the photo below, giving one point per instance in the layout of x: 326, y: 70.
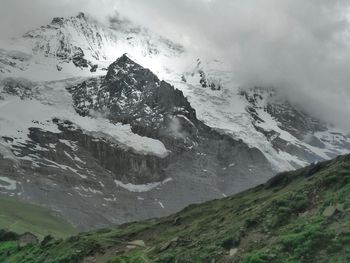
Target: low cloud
x: 299, y: 47
x: 20, y: 16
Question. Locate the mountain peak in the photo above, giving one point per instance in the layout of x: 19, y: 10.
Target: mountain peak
x: 60, y: 20
x: 81, y: 15
x: 125, y: 58
x: 126, y: 68
x: 57, y: 21
x: 82, y: 35
x: 133, y: 94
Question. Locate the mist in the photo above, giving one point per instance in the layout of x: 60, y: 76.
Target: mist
x: 298, y: 47
x: 19, y: 16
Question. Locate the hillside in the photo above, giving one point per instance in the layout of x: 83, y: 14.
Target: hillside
x: 299, y: 216
x: 20, y: 217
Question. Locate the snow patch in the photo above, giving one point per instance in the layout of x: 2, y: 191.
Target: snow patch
x: 138, y: 188
x: 7, y: 183
x: 17, y: 116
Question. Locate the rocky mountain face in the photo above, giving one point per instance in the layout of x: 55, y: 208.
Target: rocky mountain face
x: 314, y: 139
x: 265, y: 118
x: 198, y: 75
x: 132, y: 94
x: 101, y: 137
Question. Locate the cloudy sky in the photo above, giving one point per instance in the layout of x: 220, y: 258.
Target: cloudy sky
x: 301, y: 47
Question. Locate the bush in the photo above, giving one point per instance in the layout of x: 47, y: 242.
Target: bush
x: 306, y: 240
x: 8, y: 236
x: 282, y: 209
x: 230, y: 242
x: 256, y: 257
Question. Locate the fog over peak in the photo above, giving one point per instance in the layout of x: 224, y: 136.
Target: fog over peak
x: 299, y: 47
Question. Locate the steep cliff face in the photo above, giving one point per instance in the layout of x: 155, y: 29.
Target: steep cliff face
x: 132, y: 94
x: 86, y: 179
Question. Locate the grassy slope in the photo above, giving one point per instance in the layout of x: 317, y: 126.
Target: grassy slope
x: 22, y: 217
x: 281, y: 221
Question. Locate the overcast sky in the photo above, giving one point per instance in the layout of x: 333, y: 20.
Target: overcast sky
x: 299, y: 46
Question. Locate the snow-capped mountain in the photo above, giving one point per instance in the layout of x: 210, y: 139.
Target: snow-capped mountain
x: 102, y: 137
x: 263, y: 118
x: 291, y: 129
x: 80, y: 45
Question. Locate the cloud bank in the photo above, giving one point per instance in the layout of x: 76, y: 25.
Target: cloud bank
x: 20, y: 16
x: 299, y: 47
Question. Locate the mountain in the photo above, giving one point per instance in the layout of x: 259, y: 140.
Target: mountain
x: 102, y: 137
x: 293, y: 130
x: 299, y: 216
x: 262, y: 117
x: 116, y: 148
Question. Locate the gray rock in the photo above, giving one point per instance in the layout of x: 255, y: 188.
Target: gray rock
x: 131, y: 247
x: 169, y: 244
x: 329, y: 211
x: 139, y: 243
x: 233, y: 252
x: 340, y: 207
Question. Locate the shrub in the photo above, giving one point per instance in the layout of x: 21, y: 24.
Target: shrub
x: 256, y: 257
x: 282, y: 209
x: 306, y: 240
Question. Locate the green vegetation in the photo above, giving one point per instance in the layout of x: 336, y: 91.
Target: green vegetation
x: 296, y: 217
x: 21, y: 217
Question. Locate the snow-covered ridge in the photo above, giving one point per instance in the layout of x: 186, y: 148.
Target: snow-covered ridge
x: 82, y: 46
x: 226, y: 111
x: 261, y: 117
x: 64, y: 36
x: 51, y: 101
x: 141, y: 187
x: 293, y: 125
